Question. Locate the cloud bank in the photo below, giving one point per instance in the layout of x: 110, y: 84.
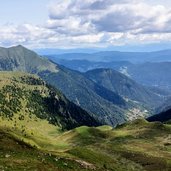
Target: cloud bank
x: 77, y: 23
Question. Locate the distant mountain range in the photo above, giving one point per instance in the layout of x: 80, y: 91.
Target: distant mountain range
x: 149, y: 73
x: 124, y: 86
x: 109, y: 56
x: 147, y: 68
x: 85, y: 65
x: 152, y: 74
x: 48, y: 51
x: 108, y: 106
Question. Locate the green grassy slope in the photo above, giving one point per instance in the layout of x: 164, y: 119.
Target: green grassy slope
x: 134, y: 146
x: 16, y: 155
x: 30, y: 139
x: 26, y: 98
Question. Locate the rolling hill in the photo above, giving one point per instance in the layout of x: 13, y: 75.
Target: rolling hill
x: 136, y: 146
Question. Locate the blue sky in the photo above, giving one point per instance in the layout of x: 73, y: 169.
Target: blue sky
x: 84, y: 24
x: 23, y: 11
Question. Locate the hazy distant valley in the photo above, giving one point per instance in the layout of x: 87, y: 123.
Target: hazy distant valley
x: 147, y: 68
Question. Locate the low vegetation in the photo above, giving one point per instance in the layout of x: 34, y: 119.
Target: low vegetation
x: 134, y: 146
x: 33, y: 136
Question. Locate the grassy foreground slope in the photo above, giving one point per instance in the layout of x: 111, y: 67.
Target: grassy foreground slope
x: 33, y: 137
x: 134, y: 146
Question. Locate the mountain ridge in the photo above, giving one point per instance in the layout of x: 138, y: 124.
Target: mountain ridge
x: 20, y: 58
x: 124, y: 86
x: 68, y: 81
x: 109, y: 56
x: 24, y: 94
x: 108, y: 106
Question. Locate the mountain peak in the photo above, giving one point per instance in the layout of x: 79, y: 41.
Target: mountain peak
x: 20, y: 46
x: 17, y: 46
x: 19, y: 58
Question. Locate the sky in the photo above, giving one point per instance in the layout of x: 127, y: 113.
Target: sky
x: 85, y: 24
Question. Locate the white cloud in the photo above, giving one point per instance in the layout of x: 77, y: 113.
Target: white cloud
x: 130, y: 19
x: 94, y: 23
x: 23, y: 34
